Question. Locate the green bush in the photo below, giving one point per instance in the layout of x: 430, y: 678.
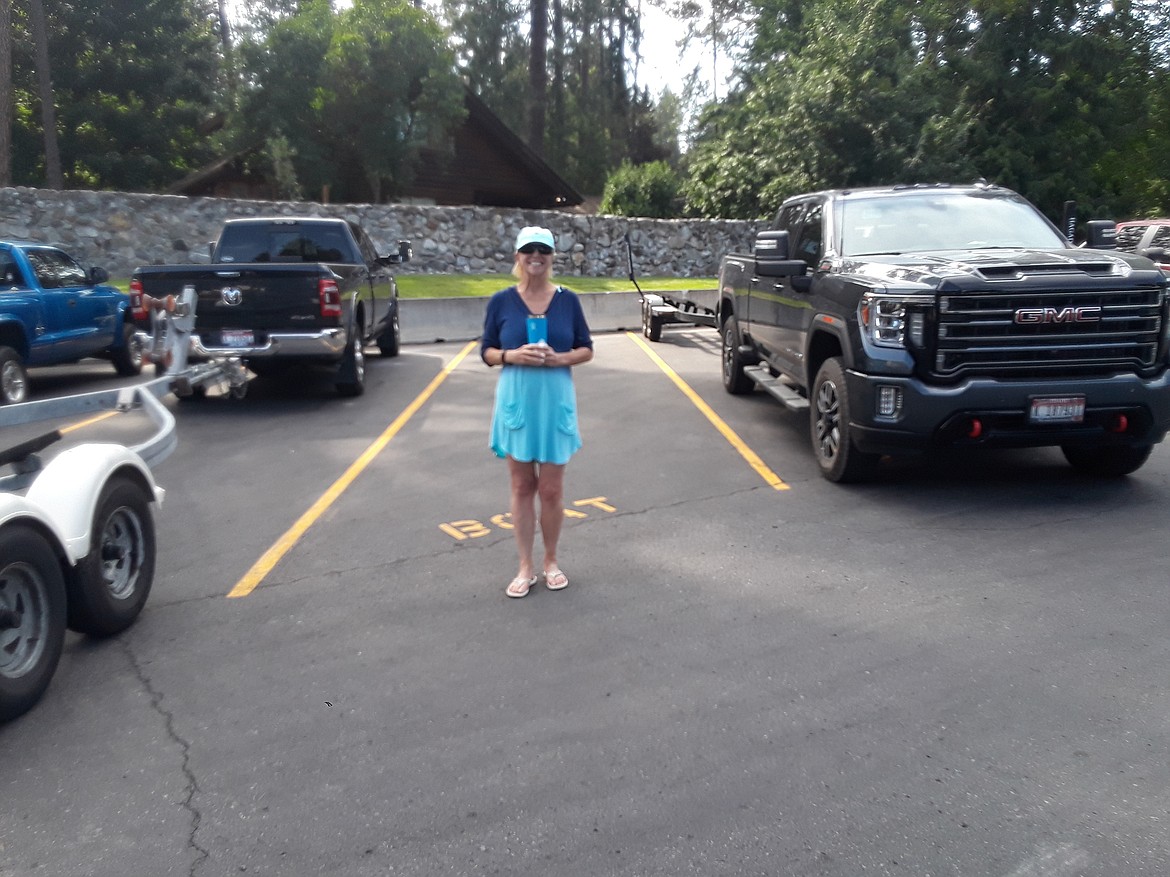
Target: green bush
x: 650, y: 190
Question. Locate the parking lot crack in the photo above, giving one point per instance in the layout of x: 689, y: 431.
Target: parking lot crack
x: 191, y: 784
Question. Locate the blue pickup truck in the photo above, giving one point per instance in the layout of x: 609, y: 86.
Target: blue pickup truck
x: 52, y: 310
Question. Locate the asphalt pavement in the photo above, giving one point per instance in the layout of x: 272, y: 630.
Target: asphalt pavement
x: 958, y: 669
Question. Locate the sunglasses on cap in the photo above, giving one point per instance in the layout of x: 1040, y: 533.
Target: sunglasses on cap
x: 529, y: 249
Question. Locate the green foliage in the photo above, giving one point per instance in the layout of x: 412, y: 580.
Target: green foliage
x: 282, y: 171
x: 650, y: 190
x: 134, y: 83
x: 594, y: 117
x: 490, y: 49
x: 1050, y: 98
x: 358, y: 93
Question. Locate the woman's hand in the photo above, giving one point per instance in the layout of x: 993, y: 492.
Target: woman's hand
x: 534, y: 354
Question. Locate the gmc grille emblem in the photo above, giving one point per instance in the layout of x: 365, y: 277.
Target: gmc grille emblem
x: 1088, y: 314
x: 229, y: 295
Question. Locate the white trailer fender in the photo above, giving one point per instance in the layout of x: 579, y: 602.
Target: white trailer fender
x: 14, y: 507
x: 67, y: 490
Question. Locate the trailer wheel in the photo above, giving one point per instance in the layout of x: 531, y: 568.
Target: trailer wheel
x: 651, y: 323
x: 129, y: 357
x: 351, y: 374
x: 1107, y: 461
x: 829, y: 420
x: 32, y: 618
x: 13, y: 377
x: 734, y: 380
x: 114, y: 579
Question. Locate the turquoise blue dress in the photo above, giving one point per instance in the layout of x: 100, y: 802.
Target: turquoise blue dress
x: 535, y: 415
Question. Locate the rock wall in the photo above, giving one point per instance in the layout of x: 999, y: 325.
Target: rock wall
x: 121, y: 231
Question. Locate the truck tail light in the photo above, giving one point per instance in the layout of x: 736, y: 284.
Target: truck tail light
x: 330, y: 297
x: 137, y: 305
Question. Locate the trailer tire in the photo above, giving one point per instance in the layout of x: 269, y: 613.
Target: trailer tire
x: 129, y: 357
x: 32, y: 632
x: 13, y: 377
x: 651, y: 324
x: 114, y: 579
x: 734, y: 380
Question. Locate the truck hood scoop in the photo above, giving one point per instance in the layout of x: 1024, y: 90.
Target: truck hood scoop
x: 1000, y: 264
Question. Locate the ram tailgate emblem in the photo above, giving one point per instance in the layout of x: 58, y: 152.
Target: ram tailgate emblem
x: 1087, y: 314
x: 229, y: 295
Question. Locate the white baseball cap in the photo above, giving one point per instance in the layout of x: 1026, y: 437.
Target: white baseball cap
x: 534, y: 234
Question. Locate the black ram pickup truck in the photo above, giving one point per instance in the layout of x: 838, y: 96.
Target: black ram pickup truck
x: 917, y: 317
x: 286, y: 291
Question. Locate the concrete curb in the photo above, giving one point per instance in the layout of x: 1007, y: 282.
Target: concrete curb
x: 428, y: 320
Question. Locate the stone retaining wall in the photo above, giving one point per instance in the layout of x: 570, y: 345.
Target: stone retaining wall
x: 121, y: 231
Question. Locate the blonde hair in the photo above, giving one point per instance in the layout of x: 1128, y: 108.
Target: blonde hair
x: 518, y: 270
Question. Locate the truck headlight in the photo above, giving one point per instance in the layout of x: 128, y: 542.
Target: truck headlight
x: 894, y: 320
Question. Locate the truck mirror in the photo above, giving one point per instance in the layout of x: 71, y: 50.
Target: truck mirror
x: 780, y: 267
x: 405, y: 251
x: 772, y: 256
x: 98, y: 275
x: 771, y: 245
x: 1158, y: 254
x: 1069, y: 221
x: 1101, y: 234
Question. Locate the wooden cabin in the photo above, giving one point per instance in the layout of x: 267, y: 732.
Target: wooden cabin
x: 489, y: 166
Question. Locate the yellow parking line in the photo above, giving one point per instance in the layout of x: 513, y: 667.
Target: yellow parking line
x: 284, y: 544
x: 97, y: 418
x: 771, y: 478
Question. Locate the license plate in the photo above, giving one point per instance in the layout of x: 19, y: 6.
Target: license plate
x: 1058, y: 409
x: 236, y: 338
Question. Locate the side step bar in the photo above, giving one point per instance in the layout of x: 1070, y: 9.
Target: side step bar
x: 778, y: 388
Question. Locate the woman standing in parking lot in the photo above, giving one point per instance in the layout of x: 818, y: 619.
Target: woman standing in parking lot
x: 537, y: 331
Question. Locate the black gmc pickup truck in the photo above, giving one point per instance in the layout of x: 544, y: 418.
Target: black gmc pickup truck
x: 918, y: 317
x: 285, y: 291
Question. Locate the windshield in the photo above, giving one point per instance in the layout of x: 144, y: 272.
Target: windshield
x: 941, y: 220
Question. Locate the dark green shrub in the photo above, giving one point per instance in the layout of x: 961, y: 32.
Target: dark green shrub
x: 650, y: 190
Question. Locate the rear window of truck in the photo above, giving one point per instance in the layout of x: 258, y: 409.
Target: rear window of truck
x: 285, y: 243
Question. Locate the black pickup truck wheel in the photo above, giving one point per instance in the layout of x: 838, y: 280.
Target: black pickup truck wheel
x: 32, y: 618
x: 351, y: 374
x: 734, y: 380
x: 832, y: 444
x: 390, y: 339
x: 1107, y: 461
x: 115, y: 577
x: 13, y: 377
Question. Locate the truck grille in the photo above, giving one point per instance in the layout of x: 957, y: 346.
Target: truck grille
x: 1036, y: 332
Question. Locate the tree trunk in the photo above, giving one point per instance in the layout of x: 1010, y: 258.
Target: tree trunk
x: 5, y: 93
x: 53, y: 176
x: 538, y: 76
x: 229, y: 62
x: 558, y: 78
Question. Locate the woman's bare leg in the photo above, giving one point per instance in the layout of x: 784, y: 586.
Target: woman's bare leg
x: 551, y: 487
x: 524, y: 485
